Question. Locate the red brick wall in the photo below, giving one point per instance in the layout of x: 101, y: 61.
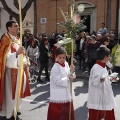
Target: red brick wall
x: 113, y: 14
x: 47, y: 9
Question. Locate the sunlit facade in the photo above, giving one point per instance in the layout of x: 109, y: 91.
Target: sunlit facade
x: 95, y: 10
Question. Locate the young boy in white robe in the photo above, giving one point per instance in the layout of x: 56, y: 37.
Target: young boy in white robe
x: 101, y: 102
x: 60, y: 96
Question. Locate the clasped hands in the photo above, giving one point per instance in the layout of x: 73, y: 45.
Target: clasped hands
x: 20, y: 50
x: 102, y: 79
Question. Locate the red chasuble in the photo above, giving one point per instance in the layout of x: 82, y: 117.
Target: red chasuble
x: 7, y: 43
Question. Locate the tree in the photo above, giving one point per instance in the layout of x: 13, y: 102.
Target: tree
x: 14, y: 14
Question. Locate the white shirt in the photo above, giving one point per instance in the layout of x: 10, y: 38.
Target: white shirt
x: 81, y: 43
x: 100, y: 94
x: 102, y: 31
x: 32, y: 51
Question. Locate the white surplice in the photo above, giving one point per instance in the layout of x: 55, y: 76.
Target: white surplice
x: 59, y: 84
x: 100, y: 94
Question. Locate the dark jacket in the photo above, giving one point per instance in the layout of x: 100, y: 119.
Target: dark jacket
x: 91, y: 53
x: 43, y: 53
x: 78, y: 45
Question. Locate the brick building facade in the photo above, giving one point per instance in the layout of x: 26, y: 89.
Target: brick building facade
x: 48, y: 14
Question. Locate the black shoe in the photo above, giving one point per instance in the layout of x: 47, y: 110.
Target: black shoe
x: 18, y: 113
x: 39, y: 80
x: 47, y: 79
x: 18, y: 118
x: 13, y: 118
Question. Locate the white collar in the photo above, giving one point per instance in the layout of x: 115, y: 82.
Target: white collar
x: 13, y: 37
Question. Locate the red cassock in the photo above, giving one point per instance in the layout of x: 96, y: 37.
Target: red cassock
x: 53, y: 54
x: 99, y: 114
x: 60, y: 111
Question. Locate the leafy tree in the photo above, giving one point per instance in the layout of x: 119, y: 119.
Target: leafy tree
x: 13, y: 13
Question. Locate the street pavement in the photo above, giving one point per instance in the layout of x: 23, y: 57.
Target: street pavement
x: 35, y: 107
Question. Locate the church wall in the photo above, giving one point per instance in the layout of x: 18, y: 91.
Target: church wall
x: 47, y: 9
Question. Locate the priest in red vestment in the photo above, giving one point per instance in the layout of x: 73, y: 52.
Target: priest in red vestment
x: 10, y: 51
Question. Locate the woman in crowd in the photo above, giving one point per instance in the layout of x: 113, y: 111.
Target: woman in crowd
x: 33, y: 50
x: 44, y: 58
x: 91, y: 51
x: 80, y: 50
x: 104, y: 43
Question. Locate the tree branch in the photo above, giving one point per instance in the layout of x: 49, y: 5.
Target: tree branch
x: 14, y: 14
x: 28, y: 5
x: 26, y: 8
x: 15, y: 2
x: 7, y: 9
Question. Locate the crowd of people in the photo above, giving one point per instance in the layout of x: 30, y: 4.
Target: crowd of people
x: 93, y: 52
x: 85, y: 48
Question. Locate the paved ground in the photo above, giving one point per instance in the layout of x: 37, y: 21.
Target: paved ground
x: 35, y: 107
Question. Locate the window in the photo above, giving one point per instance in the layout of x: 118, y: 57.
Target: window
x: 43, y: 20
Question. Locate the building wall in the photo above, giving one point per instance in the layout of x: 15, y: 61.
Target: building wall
x: 119, y: 20
x: 101, y: 9
x: 113, y: 14
x: 47, y: 9
x: 5, y: 16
